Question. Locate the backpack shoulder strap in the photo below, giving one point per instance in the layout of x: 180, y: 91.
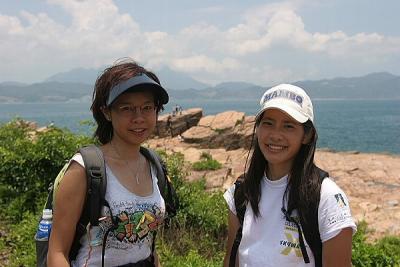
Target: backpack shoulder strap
x: 239, y: 202
x: 322, y: 174
x: 96, y: 183
x: 240, y: 211
x: 96, y: 189
x: 156, y: 161
x: 310, y: 225
x: 164, y: 184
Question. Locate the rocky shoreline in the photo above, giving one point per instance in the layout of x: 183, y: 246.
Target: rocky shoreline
x: 370, y: 180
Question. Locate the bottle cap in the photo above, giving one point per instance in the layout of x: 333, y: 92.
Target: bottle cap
x: 47, y: 214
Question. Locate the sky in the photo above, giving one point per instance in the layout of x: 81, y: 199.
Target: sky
x: 262, y: 42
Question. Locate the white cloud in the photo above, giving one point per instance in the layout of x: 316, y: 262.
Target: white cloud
x: 10, y: 26
x: 269, y: 43
x: 204, y: 63
x: 98, y: 35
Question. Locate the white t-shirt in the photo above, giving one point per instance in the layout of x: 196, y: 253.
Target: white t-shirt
x: 138, y: 218
x: 270, y: 240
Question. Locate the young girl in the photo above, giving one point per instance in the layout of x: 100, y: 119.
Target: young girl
x: 126, y: 101
x: 284, y: 194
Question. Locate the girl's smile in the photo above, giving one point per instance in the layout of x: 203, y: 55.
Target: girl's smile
x: 138, y: 132
x: 276, y: 148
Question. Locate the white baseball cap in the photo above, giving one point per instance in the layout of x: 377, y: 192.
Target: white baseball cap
x: 290, y: 99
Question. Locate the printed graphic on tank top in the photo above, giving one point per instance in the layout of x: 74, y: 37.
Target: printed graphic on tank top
x: 137, y: 219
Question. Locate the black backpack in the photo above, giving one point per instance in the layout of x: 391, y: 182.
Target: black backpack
x: 95, y: 198
x: 311, y: 230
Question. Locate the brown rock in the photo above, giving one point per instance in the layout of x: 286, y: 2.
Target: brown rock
x: 199, y: 135
x: 216, y: 178
x: 206, y: 121
x: 168, y: 125
x: 227, y: 120
x: 245, y: 132
x: 230, y: 130
x: 31, y: 125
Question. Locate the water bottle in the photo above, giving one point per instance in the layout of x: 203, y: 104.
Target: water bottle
x: 44, y: 229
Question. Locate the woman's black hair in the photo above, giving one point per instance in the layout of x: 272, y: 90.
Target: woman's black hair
x: 122, y: 70
x: 303, y: 187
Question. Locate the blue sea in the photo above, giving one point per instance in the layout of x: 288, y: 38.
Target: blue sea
x: 343, y: 125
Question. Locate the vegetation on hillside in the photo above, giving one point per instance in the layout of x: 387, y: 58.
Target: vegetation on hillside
x: 195, y: 237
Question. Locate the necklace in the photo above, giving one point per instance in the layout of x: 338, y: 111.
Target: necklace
x: 136, y: 175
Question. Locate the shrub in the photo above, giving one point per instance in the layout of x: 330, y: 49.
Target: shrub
x: 206, y: 163
x: 177, y: 168
x: 27, y: 166
x: 385, y: 252
x: 200, y: 225
x: 20, y: 241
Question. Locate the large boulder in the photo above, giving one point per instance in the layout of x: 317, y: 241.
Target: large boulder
x: 229, y: 130
x: 173, y: 125
x: 245, y: 132
x: 206, y: 121
x: 226, y: 120
x: 199, y: 135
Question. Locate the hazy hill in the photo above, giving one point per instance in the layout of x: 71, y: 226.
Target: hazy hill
x: 68, y: 88
x: 78, y: 75
x: 45, y: 92
x: 234, y: 85
x: 178, y: 81
x: 169, y: 78
x: 380, y: 85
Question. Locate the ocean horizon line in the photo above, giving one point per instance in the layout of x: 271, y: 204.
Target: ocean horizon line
x: 365, y: 126
x: 78, y: 101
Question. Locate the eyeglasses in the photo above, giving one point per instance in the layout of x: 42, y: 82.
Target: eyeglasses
x: 130, y: 111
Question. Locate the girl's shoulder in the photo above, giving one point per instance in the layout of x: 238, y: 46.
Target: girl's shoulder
x: 329, y: 186
x: 229, y: 197
x: 330, y: 191
x: 229, y: 193
x: 78, y: 159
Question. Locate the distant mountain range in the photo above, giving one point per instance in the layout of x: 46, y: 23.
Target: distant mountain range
x: 170, y: 79
x: 77, y: 85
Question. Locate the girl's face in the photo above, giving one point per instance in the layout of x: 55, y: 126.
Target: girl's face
x: 280, y: 138
x: 133, y: 116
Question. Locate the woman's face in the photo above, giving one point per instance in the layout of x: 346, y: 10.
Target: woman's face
x: 280, y: 138
x: 133, y: 116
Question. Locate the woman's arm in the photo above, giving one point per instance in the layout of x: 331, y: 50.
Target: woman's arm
x: 157, y: 262
x: 233, y: 226
x: 69, y: 202
x: 337, y: 250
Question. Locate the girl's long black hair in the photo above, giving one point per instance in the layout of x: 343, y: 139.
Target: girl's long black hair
x: 303, y: 188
